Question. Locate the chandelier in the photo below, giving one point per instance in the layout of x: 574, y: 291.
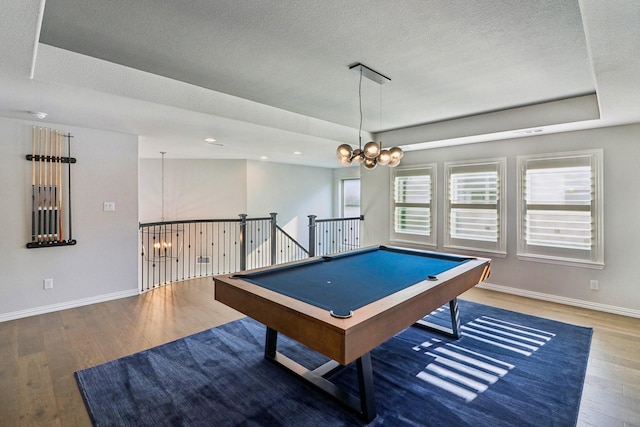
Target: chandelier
x: 162, y: 241
x: 372, y: 154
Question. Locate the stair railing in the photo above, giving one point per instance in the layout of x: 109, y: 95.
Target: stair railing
x: 174, y: 251
x: 327, y: 236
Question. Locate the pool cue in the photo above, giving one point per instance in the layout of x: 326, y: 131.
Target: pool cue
x: 45, y: 187
x: 53, y: 220
x: 59, y: 143
x: 33, y: 184
x: 50, y: 190
x: 69, y: 178
x: 45, y: 212
x: 40, y: 134
x: 55, y: 186
x: 47, y: 177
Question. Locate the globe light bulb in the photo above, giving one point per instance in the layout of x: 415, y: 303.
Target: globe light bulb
x: 384, y: 157
x: 358, y: 156
x: 371, y: 150
x: 393, y: 162
x: 345, y: 161
x: 369, y: 163
x: 344, y: 151
x: 396, y: 153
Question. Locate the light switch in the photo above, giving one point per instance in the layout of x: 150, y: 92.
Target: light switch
x: 109, y: 206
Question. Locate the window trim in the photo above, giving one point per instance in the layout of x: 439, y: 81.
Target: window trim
x: 596, y: 261
x: 430, y: 169
x: 499, y: 247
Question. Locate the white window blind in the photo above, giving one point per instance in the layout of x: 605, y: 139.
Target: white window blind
x: 559, y: 207
x: 412, y: 195
x: 412, y: 204
x: 474, y: 205
x: 474, y: 198
x: 560, y: 216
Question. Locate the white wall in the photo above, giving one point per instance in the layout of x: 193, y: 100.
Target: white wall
x: 103, y: 264
x: 200, y: 189
x: 107, y: 170
x: 619, y: 280
x: 293, y: 192
x: 375, y: 202
x: 193, y: 189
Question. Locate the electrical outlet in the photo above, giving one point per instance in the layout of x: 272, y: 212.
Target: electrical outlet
x: 48, y: 283
x: 594, y: 285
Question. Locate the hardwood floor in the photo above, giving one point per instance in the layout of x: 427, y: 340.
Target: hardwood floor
x: 39, y: 354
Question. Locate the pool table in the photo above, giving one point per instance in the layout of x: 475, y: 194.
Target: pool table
x: 345, y: 305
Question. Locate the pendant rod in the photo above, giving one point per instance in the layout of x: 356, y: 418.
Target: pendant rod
x: 162, y: 191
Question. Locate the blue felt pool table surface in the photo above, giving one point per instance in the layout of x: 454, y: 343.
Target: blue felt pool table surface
x: 346, y: 282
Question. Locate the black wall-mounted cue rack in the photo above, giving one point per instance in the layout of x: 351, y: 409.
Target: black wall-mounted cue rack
x: 39, y: 158
x: 50, y: 189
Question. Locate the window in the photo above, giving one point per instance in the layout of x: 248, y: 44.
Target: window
x: 560, y: 199
x: 475, y: 205
x: 413, y: 206
x: 350, y: 198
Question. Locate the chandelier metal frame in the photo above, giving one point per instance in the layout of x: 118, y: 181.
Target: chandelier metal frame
x: 372, y: 154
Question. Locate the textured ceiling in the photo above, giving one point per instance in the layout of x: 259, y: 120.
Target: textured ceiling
x: 446, y: 59
x: 270, y: 77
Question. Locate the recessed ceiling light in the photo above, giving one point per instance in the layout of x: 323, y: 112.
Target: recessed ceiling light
x: 297, y: 153
x: 263, y: 157
x: 212, y: 141
x: 38, y: 114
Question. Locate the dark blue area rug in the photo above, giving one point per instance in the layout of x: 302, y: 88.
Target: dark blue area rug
x: 508, y: 369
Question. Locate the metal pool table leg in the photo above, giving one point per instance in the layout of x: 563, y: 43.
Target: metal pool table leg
x: 365, y: 385
x: 454, y: 331
x: 365, y: 406
x: 271, y: 342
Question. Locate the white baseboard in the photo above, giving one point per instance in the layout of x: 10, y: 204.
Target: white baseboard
x: 490, y: 286
x: 561, y: 300
x: 65, y: 305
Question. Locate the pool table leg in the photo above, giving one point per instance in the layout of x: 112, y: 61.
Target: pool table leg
x: 271, y: 343
x: 365, y: 384
x: 365, y: 405
x: 455, y: 318
x: 454, y: 331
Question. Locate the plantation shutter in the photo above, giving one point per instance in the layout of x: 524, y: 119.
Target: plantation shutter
x: 412, y: 197
x: 474, y: 205
x: 558, y: 205
x: 412, y: 204
x: 561, y: 216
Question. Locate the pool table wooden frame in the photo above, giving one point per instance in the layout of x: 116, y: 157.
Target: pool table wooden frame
x: 349, y: 339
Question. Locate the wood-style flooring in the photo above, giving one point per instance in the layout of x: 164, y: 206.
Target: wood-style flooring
x: 39, y: 354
